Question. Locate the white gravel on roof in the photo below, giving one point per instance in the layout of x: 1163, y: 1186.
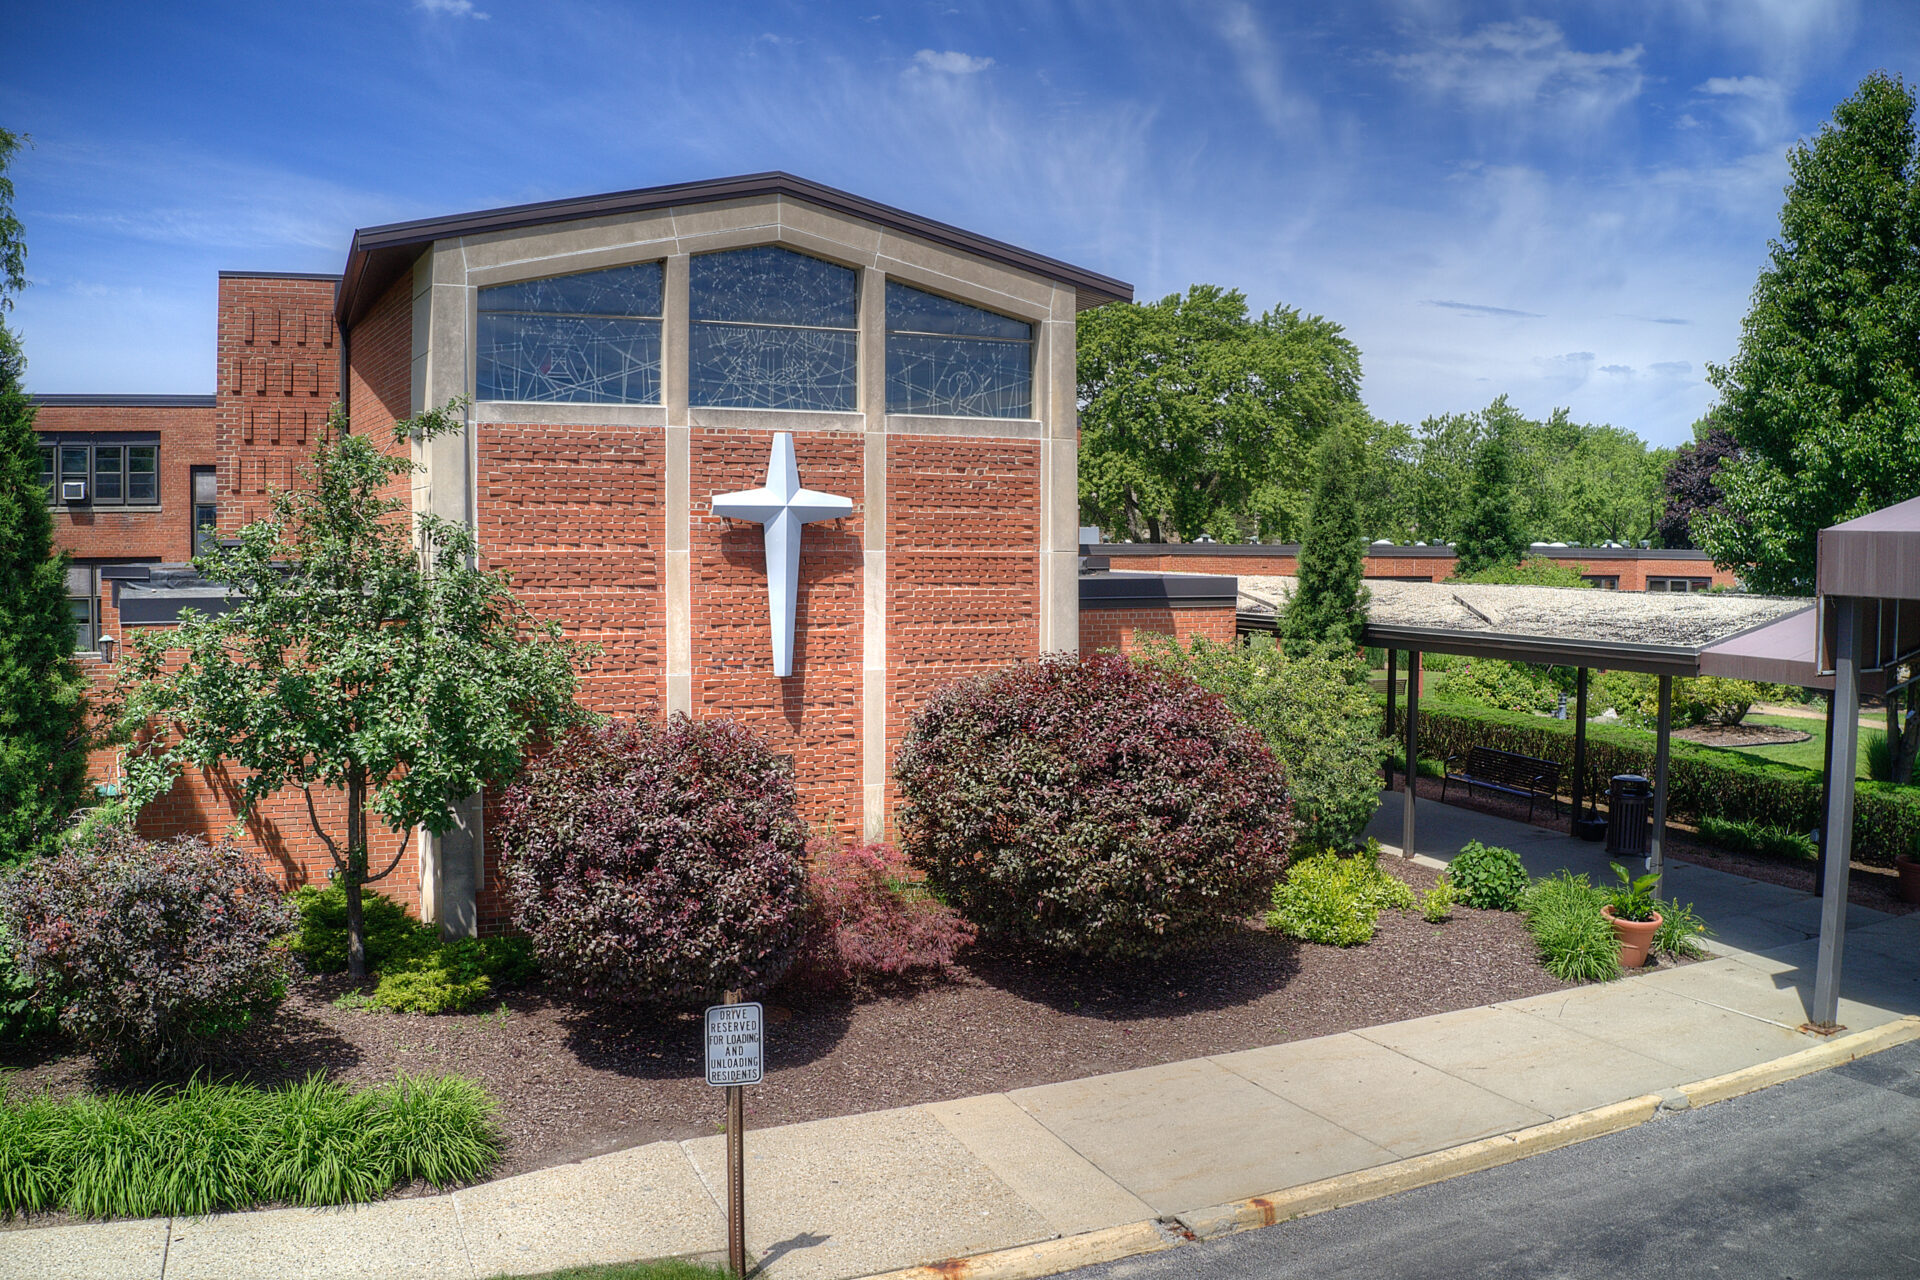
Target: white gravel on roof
x: 1685, y: 620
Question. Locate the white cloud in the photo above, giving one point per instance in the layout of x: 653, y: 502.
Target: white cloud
x: 951, y: 62
x: 1262, y: 74
x: 451, y: 9
x: 1754, y: 104
x: 1510, y: 66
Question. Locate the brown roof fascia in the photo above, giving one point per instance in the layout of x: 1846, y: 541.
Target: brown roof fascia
x: 379, y: 254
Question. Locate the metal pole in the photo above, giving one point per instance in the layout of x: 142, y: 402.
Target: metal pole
x: 1413, y: 751
x: 1839, y: 816
x: 1393, y: 657
x: 1656, y: 848
x: 1826, y: 798
x: 1579, y: 744
x: 736, y: 1168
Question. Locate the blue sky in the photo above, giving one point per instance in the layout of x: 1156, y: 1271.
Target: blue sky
x: 1567, y: 203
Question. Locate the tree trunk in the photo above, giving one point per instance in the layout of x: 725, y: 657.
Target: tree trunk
x: 356, y: 875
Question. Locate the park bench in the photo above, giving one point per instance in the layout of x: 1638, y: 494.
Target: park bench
x: 1505, y: 771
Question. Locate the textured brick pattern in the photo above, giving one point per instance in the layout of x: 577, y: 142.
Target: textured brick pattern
x: 279, y: 370
x: 136, y: 533
x: 380, y: 362
x: 575, y: 515
x: 815, y: 713
x: 1116, y: 628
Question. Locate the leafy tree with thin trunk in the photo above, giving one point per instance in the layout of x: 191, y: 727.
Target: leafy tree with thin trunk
x: 44, y: 733
x: 1691, y: 485
x: 1491, y: 535
x: 355, y: 660
x: 1329, y: 604
x: 1823, y: 396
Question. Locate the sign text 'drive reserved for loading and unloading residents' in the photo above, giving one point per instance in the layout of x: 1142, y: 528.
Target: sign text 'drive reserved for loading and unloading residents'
x: 736, y: 1044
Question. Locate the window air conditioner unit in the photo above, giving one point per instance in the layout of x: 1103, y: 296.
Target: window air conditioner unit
x: 73, y: 491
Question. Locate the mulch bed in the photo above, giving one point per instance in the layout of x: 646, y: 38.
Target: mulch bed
x: 1742, y: 735
x: 578, y: 1080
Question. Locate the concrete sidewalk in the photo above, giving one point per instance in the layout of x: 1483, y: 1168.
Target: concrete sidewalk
x: 869, y: 1193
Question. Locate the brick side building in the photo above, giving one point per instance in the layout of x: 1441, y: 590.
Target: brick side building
x: 626, y: 358
x: 1614, y: 568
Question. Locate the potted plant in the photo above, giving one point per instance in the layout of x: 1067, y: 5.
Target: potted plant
x: 1630, y: 909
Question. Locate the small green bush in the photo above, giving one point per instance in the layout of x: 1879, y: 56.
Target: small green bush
x: 1509, y: 686
x: 23, y: 1012
x: 418, y: 973
x: 1488, y: 877
x: 1878, y: 749
x: 1336, y: 900
x: 1753, y: 837
x: 210, y: 1147
x: 1533, y: 571
x: 391, y: 933
x: 1576, y: 942
x: 1679, y: 927
x: 1436, y: 904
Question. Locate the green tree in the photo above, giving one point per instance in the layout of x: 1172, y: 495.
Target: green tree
x: 1491, y: 535
x: 1823, y: 396
x: 1329, y: 604
x: 1197, y: 419
x: 43, y: 710
x: 356, y: 661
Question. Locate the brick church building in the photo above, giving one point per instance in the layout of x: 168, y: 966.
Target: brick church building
x: 628, y: 358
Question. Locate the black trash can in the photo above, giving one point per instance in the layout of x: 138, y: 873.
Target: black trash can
x: 1629, y: 798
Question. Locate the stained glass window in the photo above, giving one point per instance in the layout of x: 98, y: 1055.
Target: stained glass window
x: 592, y: 337
x: 773, y: 329
x: 946, y: 357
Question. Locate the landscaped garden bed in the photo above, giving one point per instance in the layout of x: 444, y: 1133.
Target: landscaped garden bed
x: 576, y: 1079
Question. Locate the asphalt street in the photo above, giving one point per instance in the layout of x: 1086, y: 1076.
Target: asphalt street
x: 1816, y: 1178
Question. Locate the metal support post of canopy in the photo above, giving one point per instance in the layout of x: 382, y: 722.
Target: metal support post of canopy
x: 1845, y: 716
x: 1413, y: 752
x: 1657, y: 847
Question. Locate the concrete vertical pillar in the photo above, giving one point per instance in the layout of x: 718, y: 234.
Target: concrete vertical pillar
x: 873, y: 558
x: 676, y: 559
x: 1845, y: 714
x: 1056, y: 403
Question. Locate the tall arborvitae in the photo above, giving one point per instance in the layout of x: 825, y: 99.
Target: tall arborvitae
x: 1491, y: 535
x: 1329, y: 603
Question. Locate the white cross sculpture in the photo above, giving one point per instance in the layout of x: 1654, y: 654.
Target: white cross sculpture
x: 782, y: 506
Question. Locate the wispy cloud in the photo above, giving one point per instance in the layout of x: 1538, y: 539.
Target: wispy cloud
x: 1627, y: 315
x: 451, y: 9
x: 1618, y: 370
x: 1672, y: 368
x: 1479, y: 309
x: 1510, y: 66
x: 951, y: 62
x: 1261, y: 70
x: 1754, y: 104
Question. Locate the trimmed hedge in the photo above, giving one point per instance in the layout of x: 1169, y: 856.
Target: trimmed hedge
x: 1702, y: 782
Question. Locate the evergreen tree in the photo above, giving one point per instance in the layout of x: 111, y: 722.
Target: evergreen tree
x: 43, y: 710
x: 1823, y: 397
x: 1491, y: 535
x: 1329, y: 603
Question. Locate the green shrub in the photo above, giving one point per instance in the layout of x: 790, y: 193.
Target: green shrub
x: 208, y: 1147
x: 1878, y: 749
x: 1436, y: 904
x: 1510, y: 686
x: 23, y: 1012
x: 1336, y: 899
x: 1089, y: 804
x: 1488, y: 877
x: 1632, y: 899
x: 1314, y: 711
x: 1750, y: 837
x: 1576, y: 943
x: 1701, y: 781
x: 1679, y: 926
x: 1534, y: 571
x: 1705, y: 700
x: 417, y: 972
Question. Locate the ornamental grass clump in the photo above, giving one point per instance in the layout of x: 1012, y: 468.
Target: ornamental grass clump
x: 150, y: 951
x: 658, y: 863
x: 1089, y: 805
x: 872, y: 920
x: 1576, y: 943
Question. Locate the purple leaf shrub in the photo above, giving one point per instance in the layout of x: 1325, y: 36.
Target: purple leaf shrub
x: 1087, y: 804
x: 872, y: 922
x: 657, y: 863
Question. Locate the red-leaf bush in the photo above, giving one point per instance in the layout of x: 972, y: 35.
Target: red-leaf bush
x: 1091, y: 805
x: 871, y: 922
x: 657, y: 863
x: 150, y: 951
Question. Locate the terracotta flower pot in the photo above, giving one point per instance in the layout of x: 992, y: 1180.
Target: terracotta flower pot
x: 1636, y: 937
x: 1909, y: 878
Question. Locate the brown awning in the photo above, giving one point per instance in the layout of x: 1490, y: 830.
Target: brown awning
x: 1782, y: 652
x: 1875, y: 556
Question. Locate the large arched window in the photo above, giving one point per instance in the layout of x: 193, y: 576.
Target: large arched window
x: 592, y: 337
x: 773, y: 329
x: 946, y: 357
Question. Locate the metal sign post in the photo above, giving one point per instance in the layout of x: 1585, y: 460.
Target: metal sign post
x: 736, y: 1057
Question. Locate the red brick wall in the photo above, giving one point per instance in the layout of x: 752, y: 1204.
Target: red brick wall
x: 1633, y: 570
x: 815, y: 713
x: 380, y: 363
x: 279, y: 369
x: 963, y: 565
x: 136, y: 533
x: 1116, y: 628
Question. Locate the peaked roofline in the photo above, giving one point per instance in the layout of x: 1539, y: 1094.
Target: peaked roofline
x: 379, y: 255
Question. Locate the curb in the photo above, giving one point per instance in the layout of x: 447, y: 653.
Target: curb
x: 1110, y: 1244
